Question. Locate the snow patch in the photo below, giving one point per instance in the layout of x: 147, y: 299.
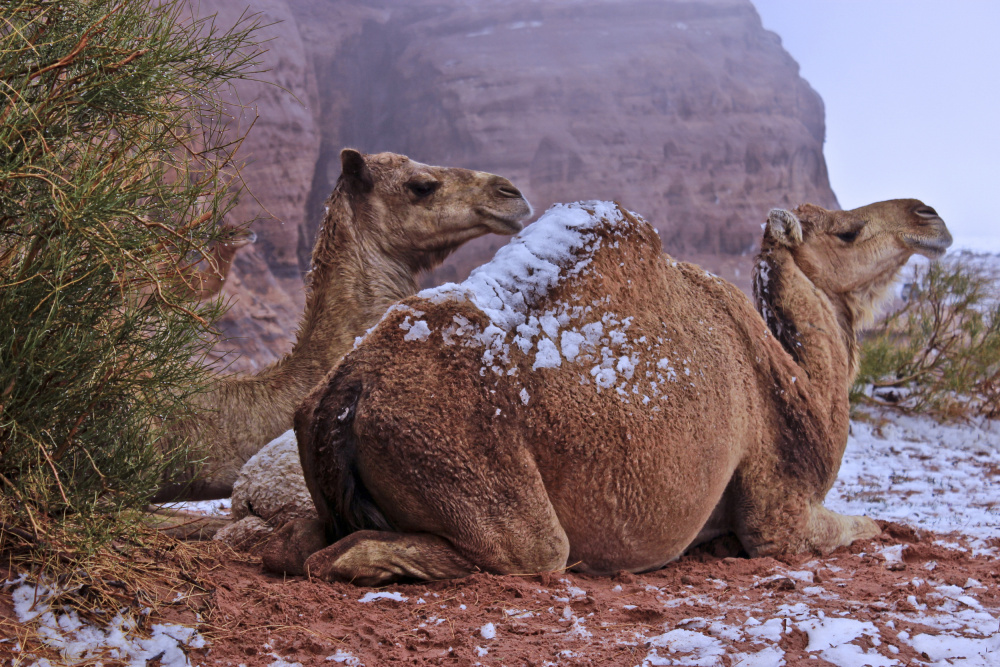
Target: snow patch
x: 79, y: 641
x: 371, y: 596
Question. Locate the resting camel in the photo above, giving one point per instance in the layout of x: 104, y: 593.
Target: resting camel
x: 388, y: 218
x: 586, y: 401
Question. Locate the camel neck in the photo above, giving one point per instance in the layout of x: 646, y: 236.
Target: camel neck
x: 351, y: 284
x: 811, y: 388
x: 808, y: 324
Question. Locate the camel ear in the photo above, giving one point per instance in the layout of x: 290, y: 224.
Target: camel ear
x: 355, y: 171
x: 783, y: 227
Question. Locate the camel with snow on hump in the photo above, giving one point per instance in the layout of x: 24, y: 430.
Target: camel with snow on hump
x: 586, y: 401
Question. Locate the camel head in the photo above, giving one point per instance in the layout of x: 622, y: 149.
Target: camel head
x: 419, y: 213
x: 854, y: 256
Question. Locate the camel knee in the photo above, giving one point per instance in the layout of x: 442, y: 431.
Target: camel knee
x: 545, y: 555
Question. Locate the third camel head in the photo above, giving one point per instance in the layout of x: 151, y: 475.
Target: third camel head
x: 419, y: 213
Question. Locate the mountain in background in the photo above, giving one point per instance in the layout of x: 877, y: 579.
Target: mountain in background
x: 688, y: 112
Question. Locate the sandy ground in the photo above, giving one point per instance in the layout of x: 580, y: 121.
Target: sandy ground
x: 901, y: 599
x: 926, y: 592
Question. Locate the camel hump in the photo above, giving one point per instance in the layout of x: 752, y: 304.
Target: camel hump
x: 558, y: 248
x: 324, y: 426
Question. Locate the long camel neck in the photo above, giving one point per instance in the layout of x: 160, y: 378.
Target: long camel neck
x: 815, y: 329
x: 351, y: 283
x: 811, y: 388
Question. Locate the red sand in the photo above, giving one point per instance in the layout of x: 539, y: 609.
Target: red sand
x: 253, y: 618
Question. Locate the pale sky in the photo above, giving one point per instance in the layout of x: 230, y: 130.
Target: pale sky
x: 912, y: 94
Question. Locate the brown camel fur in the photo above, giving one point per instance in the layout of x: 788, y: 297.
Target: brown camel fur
x: 585, y: 401
x: 388, y: 219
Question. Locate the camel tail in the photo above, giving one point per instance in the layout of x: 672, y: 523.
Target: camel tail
x: 330, y: 448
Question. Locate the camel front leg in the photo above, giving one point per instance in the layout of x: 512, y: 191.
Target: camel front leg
x: 373, y: 558
x: 797, y: 524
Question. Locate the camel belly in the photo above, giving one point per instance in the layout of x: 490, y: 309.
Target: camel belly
x: 640, y: 510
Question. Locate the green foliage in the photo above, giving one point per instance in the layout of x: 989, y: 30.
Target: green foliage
x: 940, y: 352
x: 114, y: 173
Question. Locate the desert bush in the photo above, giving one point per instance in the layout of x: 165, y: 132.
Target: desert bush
x: 115, y: 168
x: 939, y: 353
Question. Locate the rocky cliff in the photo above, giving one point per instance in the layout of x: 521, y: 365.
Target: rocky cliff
x: 689, y: 113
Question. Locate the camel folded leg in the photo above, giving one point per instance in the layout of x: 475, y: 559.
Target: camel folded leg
x: 473, y: 535
x: 371, y: 558
x: 799, y: 524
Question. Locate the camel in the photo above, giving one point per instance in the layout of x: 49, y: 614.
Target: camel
x: 586, y: 401
x: 387, y: 219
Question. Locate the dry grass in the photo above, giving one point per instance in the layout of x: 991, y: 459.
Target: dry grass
x: 144, y: 575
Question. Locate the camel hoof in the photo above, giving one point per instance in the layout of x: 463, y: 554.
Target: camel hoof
x: 286, y: 552
x: 865, y: 528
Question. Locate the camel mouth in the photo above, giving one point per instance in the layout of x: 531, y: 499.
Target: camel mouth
x: 933, y: 247
x: 509, y: 223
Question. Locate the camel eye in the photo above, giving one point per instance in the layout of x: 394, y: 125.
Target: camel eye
x: 422, y: 189
x: 849, y: 237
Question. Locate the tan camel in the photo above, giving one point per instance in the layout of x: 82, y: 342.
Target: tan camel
x: 586, y: 401
x: 388, y: 219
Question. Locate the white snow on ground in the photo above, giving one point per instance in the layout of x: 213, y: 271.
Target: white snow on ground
x: 345, y: 657
x: 62, y: 629
x: 927, y: 475
x: 371, y: 597
x: 702, y: 641
x: 220, y: 507
x: 910, y: 470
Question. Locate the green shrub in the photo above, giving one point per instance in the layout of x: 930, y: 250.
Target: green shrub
x: 114, y: 173
x: 940, y: 352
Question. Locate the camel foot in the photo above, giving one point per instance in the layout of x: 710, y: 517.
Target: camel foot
x: 823, y: 532
x: 287, y: 550
x: 373, y: 558
x: 829, y: 530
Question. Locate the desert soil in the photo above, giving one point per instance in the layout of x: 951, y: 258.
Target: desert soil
x: 913, y: 596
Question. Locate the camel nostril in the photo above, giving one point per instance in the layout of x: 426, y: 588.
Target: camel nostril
x: 510, y: 191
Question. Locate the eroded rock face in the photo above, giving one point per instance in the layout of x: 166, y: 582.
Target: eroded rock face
x: 689, y: 113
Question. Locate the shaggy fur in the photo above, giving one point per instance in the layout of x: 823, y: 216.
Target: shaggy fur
x: 387, y: 219
x: 426, y: 463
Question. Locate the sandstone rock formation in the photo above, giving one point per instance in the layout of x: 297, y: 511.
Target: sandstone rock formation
x: 688, y: 112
